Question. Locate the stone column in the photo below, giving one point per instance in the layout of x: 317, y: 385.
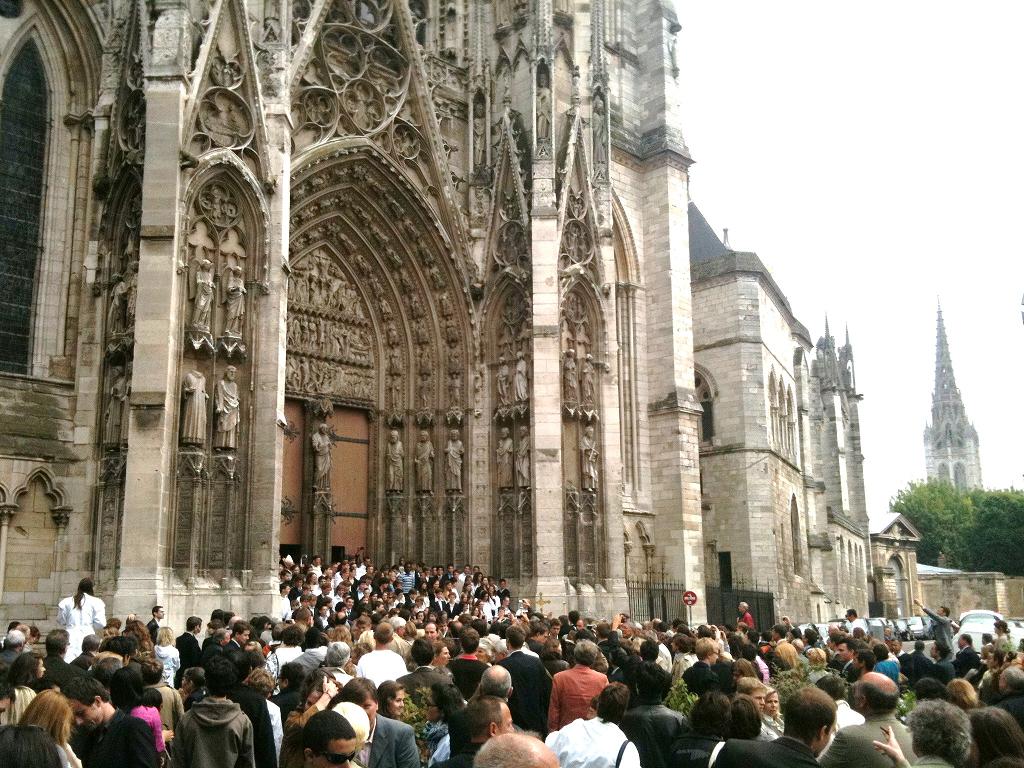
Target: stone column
x: 673, y: 410
x: 546, y: 397
x: 267, y: 397
x: 148, y: 479
x: 7, y: 512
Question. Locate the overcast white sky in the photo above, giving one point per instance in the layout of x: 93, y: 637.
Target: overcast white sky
x: 872, y: 154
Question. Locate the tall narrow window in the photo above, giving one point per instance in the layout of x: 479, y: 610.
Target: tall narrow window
x: 24, y: 124
x: 794, y: 524
x: 707, y: 401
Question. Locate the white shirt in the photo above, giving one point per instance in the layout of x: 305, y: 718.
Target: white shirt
x: 286, y: 608
x: 360, y: 572
x: 379, y: 666
x: 845, y: 717
x: 275, y: 725
x: 592, y: 744
x: 79, y: 622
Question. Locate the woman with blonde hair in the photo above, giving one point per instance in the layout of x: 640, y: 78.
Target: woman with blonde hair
x: 817, y: 660
x: 962, y: 694
x: 23, y: 678
x: 167, y: 654
x: 51, y: 711
x: 786, y: 657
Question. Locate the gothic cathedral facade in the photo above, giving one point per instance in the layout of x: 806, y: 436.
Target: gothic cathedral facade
x: 321, y: 276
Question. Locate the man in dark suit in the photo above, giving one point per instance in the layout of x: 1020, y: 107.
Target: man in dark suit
x: 809, y: 714
x: 391, y: 744
x: 531, y: 684
x: 875, y: 696
x: 106, y: 737
x: 700, y: 678
x: 154, y: 623
x: 967, y: 658
x: 424, y: 675
x: 187, y: 644
x: 214, y: 644
x: 57, y: 670
x: 466, y: 668
x: 240, y: 633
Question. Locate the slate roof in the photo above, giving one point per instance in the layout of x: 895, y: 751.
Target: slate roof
x: 705, y: 245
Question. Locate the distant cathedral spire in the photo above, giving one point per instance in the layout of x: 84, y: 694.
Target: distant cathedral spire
x: 950, y: 440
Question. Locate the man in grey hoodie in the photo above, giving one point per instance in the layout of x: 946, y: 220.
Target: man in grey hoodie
x: 215, y: 731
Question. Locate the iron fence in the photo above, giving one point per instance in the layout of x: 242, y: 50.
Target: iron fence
x: 650, y: 599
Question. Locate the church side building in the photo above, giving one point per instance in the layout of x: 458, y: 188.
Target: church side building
x: 342, y: 275
x: 951, y: 447
x: 781, y: 465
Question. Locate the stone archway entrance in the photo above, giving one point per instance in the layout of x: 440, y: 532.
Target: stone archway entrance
x: 377, y: 369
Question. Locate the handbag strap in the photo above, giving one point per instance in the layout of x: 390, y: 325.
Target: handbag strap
x: 622, y: 751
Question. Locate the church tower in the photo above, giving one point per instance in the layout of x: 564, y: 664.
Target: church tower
x: 950, y: 440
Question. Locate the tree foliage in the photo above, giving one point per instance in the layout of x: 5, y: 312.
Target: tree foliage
x: 941, y: 514
x: 976, y: 530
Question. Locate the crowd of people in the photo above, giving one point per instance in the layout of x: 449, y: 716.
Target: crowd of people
x: 411, y: 666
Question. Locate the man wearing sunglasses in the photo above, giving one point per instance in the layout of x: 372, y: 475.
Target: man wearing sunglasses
x: 328, y: 741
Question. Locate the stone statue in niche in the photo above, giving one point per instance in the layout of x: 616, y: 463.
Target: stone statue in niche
x: 225, y: 405
x: 131, y: 294
x: 201, y: 293
x: 193, y: 421
x: 588, y: 458
x: 600, y: 121
x: 570, y: 382
x: 522, y: 379
x: 234, y: 300
x: 504, y: 459
x: 394, y: 461
x: 543, y: 105
x: 114, y: 422
x: 504, y: 384
x: 424, y: 462
x: 118, y: 309
x: 322, y: 444
x: 523, y: 458
x: 479, y: 140
x: 588, y: 379
x: 453, y: 462
x: 454, y: 388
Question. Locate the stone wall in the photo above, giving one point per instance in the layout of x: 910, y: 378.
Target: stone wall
x: 966, y: 591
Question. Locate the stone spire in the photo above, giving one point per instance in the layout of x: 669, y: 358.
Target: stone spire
x: 945, y: 381
x: 950, y: 440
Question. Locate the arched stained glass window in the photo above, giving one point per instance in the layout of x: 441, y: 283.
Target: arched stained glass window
x: 24, y: 124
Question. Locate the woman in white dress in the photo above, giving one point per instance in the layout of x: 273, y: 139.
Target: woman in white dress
x: 81, y: 614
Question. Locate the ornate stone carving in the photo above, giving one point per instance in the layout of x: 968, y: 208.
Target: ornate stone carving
x: 226, y: 407
x: 227, y: 113
x: 523, y: 458
x: 504, y: 382
x: 329, y: 334
x: 522, y: 379
x: 577, y: 246
x: 588, y: 382
x: 217, y: 254
x: 115, y: 422
x: 394, y: 463
x: 322, y: 444
x: 504, y: 459
x: 453, y: 453
x: 234, y: 300
x: 543, y: 109
x: 570, y: 379
x: 193, y: 420
x: 588, y: 459
x: 599, y: 122
x: 424, y: 463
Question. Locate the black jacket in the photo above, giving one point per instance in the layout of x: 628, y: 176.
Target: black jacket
x: 693, y: 750
x: 784, y: 752
x: 918, y: 665
x: 466, y: 674
x: 653, y: 728
x: 1015, y: 706
x: 125, y: 742
x: 966, y: 660
x: 700, y: 679
x: 287, y: 700
x: 154, y: 629
x: 58, y: 672
x: 255, y: 708
x: 189, y: 652
x: 531, y: 692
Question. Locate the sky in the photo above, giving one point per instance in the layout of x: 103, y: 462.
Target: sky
x: 872, y: 155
